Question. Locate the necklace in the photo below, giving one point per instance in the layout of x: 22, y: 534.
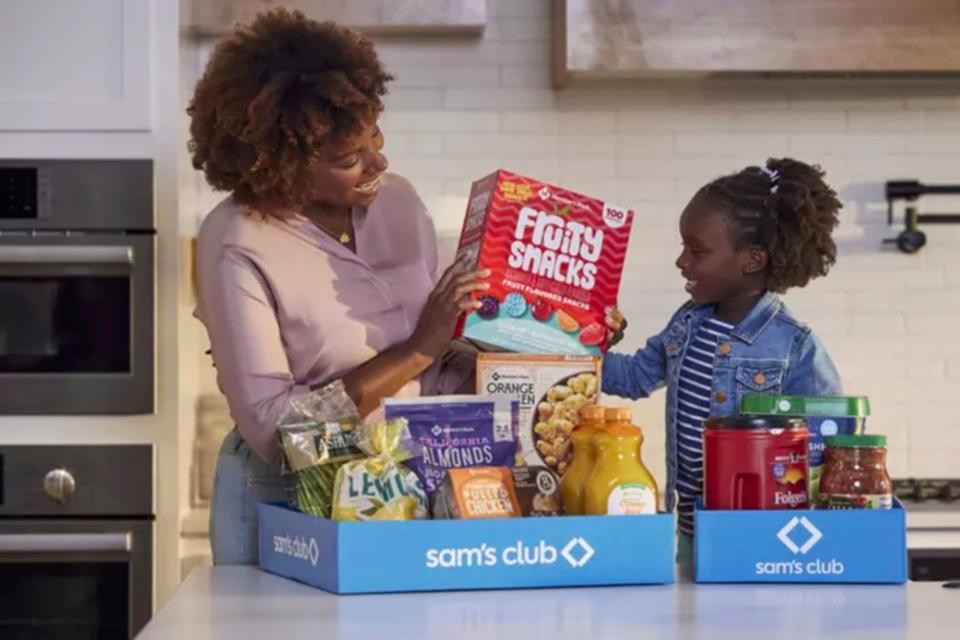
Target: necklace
x: 344, y: 237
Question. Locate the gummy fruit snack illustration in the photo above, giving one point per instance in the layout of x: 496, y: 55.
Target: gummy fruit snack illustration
x: 556, y: 259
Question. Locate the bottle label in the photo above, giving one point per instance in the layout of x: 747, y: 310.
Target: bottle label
x: 632, y: 499
x: 856, y: 501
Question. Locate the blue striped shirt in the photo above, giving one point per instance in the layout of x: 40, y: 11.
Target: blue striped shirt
x: 693, y: 407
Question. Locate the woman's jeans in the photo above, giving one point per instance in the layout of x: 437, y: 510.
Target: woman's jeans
x: 241, y: 482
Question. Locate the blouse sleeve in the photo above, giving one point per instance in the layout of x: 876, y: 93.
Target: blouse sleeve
x: 252, y: 368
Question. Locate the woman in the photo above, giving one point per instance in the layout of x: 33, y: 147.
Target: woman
x: 318, y: 269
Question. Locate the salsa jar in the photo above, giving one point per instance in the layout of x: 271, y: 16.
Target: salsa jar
x: 855, y: 473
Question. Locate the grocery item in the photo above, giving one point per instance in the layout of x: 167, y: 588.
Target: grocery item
x: 584, y: 456
x: 556, y: 259
x: 825, y: 416
x: 538, y: 491
x: 380, y: 487
x: 457, y: 431
x: 318, y: 433
x: 551, y: 391
x: 753, y: 462
x: 620, y: 484
x: 474, y: 493
x: 855, y: 474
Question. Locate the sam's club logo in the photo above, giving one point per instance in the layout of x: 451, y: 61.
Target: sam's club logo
x: 577, y: 553
x: 813, y: 537
x: 297, y: 547
x: 799, y: 535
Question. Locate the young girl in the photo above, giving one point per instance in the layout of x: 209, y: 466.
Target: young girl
x: 746, y: 237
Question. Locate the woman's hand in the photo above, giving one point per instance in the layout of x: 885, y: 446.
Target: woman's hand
x: 447, y: 301
x: 616, y: 324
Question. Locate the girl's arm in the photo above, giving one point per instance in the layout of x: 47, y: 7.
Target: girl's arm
x: 638, y: 375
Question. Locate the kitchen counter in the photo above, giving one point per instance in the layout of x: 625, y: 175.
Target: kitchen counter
x: 237, y: 603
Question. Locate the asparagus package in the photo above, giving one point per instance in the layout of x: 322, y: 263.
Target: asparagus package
x: 318, y: 434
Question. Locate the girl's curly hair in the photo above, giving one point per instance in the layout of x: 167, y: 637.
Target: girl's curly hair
x: 786, y: 209
x: 272, y: 94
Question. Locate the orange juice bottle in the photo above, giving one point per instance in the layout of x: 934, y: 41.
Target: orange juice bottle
x: 584, y: 455
x: 620, y: 483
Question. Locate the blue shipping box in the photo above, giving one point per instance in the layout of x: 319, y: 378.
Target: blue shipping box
x: 438, y: 555
x: 854, y: 546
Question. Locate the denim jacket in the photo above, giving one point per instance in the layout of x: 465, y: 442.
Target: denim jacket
x: 768, y: 352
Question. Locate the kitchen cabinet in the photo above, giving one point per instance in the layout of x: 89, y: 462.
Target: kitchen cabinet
x: 75, y: 65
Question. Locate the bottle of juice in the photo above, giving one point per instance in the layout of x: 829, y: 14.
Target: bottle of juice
x: 620, y: 484
x: 584, y: 455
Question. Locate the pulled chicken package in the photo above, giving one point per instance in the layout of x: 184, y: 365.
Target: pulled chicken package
x: 477, y: 493
x: 318, y: 433
x: 380, y: 487
x: 457, y: 431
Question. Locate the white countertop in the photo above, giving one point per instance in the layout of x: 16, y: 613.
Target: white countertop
x: 237, y: 603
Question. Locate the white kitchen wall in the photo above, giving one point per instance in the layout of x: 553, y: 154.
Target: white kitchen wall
x: 462, y: 107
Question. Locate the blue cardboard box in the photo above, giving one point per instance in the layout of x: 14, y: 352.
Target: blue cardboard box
x: 439, y: 555
x: 856, y: 546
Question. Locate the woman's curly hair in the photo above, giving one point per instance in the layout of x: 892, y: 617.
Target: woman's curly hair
x: 272, y: 94
x: 786, y: 209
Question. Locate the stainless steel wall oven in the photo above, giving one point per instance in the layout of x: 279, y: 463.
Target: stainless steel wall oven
x: 77, y: 280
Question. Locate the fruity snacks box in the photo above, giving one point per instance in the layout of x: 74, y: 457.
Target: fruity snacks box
x: 555, y: 258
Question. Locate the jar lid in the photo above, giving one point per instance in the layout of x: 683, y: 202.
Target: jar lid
x: 592, y: 412
x: 836, y: 406
x: 856, y: 441
x: 755, y: 423
x: 617, y: 413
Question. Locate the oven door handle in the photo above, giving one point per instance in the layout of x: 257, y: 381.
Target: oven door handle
x: 66, y: 254
x: 11, y: 543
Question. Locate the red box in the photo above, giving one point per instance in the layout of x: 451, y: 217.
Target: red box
x: 555, y: 258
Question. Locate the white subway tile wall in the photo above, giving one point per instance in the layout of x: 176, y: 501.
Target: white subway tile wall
x: 462, y: 107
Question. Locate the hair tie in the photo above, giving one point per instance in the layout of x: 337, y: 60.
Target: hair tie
x: 774, y: 176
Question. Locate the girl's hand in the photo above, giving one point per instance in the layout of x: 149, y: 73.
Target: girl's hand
x: 616, y: 324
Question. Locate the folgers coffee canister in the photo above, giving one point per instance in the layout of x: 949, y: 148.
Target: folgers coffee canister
x: 755, y: 462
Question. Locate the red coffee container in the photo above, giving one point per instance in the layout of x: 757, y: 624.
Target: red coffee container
x: 754, y: 462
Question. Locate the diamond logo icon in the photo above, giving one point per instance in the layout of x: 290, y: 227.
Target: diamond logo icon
x: 314, y: 551
x: 814, y: 535
x: 577, y: 552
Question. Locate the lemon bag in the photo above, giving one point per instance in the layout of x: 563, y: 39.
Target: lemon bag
x: 380, y: 487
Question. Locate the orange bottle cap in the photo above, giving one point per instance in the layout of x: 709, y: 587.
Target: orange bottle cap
x: 592, y: 412
x: 617, y: 413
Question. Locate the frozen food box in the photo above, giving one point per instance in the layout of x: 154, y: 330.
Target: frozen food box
x: 556, y: 258
x: 551, y: 391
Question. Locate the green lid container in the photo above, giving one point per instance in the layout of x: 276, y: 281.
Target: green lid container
x: 856, y: 442
x: 835, y: 406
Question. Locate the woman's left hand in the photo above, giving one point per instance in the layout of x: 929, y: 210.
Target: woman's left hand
x: 616, y: 325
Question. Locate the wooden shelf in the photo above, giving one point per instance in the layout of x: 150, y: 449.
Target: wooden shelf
x: 644, y: 38
x: 403, y: 17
